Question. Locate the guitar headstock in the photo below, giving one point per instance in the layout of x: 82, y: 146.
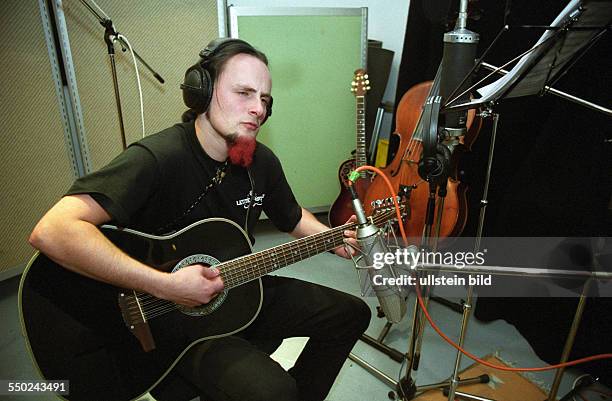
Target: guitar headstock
x: 381, y: 215
x: 402, y: 197
x: 360, y: 84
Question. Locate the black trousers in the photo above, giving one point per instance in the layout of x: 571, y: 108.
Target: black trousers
x: 239, y: 367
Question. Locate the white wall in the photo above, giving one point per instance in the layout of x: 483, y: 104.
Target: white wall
x: 386, y: 22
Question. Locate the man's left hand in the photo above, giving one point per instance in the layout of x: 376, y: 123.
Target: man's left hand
x: 345, y: 251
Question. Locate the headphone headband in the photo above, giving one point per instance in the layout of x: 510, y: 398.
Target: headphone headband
x: 216, y: 44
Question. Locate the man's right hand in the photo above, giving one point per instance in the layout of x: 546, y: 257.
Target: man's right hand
x: 192, y: 285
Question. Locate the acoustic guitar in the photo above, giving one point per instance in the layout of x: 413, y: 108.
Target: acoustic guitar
x: 116, y: 344
x: 342, y: 208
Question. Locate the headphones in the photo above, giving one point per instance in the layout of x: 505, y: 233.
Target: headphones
x: 434, y: 165
x: 198, y: 85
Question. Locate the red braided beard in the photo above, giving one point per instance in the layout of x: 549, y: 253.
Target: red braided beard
x: 241, y: 149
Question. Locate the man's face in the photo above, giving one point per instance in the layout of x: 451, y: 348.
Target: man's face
x: 240, y: 98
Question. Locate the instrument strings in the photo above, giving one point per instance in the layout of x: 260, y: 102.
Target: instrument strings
x: 416, y: 139
x: 239, y: 271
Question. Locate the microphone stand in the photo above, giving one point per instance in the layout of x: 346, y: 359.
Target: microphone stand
x: 110, y: 36
x: 406, y: 387
x: 467, y: 305
x: 434, y: 168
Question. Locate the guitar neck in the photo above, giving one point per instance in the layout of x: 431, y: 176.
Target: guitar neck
x: 360, y: 150
x: 238, y: 271
x: 250, y: 267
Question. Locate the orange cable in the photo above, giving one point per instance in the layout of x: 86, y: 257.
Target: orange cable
x: 444, y: 336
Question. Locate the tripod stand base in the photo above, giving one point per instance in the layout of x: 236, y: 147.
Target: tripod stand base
x: 390, y: 352
x: 406, y: 388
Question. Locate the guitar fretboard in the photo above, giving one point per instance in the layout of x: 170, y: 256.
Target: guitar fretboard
x: 250, y: 267
x: 360, y: 150
x: 238, y: 271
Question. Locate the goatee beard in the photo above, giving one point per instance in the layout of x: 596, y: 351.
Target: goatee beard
x: 241, y: 149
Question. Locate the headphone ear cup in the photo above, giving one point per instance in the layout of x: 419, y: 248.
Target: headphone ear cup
x: 197, y: 88
x: 435, y: 167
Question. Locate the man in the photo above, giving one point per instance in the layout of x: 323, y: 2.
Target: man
x: 211, y: 166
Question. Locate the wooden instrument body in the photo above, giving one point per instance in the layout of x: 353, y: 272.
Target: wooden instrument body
x: 405, y: 180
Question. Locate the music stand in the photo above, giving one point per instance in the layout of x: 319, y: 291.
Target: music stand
x: 579, y: 25
x: 571, y: 34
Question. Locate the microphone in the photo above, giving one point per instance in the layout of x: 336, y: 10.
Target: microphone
x: 457, y: 61
x: 444, y: 129
x: 391, y: 297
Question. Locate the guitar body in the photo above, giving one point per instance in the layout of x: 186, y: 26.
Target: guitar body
x: 342, y: 208
x: 75, y: 330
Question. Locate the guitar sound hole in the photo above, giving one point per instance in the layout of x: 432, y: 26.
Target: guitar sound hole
x: 210, y: 307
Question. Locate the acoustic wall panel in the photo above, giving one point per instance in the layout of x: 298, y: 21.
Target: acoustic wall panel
x: 313, y: 54
x: 168, y: 35
x: 35, y: 166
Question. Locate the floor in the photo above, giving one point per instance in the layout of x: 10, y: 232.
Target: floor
x: 353, y: 383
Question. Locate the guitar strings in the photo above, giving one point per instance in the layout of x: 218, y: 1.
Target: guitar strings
x: 236, y: 269
x: 152, y: 306
x: 242, y: 268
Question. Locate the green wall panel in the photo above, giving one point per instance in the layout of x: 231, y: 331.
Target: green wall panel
x: 312, y: 60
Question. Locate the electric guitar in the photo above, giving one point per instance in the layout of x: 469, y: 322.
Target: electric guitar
x: 117, y: 344
x: 342, y: 207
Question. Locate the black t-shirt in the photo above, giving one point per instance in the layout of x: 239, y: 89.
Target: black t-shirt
x: 152, y: 186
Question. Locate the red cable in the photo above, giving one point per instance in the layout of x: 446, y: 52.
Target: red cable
x: 444, y: 336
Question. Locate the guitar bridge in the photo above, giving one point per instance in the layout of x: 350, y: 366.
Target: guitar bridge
x: 134, y: 319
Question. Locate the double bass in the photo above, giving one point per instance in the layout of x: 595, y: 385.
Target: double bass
x: 408, y: 186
